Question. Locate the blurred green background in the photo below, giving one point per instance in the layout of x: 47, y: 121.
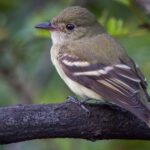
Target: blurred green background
x: 27, y: 75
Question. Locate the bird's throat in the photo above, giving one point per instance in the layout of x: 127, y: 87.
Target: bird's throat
x: 57, y: 37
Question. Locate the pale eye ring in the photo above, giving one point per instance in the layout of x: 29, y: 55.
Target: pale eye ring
x: 70, y: 27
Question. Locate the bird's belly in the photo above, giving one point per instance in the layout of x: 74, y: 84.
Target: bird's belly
x: 74, y: 86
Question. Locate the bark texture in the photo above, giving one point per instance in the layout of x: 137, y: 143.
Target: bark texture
x: 69, y: 120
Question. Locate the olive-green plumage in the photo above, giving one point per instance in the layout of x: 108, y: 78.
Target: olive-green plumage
x: 93, y: 64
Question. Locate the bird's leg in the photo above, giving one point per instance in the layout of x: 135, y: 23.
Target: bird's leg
x: 76, y: 101
x: 92, y: 101
x: 72, y: 99
x: 85, y: 100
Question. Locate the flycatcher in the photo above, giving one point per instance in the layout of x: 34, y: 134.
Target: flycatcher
x: 93, y: 64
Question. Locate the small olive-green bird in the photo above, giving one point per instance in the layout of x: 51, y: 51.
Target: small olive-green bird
x: 93, y: 64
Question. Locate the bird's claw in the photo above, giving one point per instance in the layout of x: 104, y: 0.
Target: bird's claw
x: 76, y: 101
x: 72, y: 99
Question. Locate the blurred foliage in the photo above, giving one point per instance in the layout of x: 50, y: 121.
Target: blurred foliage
x: 27, y: 75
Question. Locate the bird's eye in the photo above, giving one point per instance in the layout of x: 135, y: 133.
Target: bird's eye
x: 70, y: 27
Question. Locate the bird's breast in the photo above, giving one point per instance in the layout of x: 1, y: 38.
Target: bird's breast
x: 73, y: 85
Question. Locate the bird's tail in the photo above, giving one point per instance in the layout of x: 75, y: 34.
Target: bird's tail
x: 148, y: 123
x: 146, y: 118
x: 143, y: 113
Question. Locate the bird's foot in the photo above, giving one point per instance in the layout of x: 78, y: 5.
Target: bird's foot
x: 76, y: 101
x: 91, y: 101
x: 85, y: 100
x: 72, y: 99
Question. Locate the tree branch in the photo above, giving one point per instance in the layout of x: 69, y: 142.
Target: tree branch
x: 69, y: 120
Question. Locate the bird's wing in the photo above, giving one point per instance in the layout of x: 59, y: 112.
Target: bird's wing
x: 118, y: 83
x: 140, y: 75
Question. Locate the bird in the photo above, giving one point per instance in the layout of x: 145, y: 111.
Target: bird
x: 93, y: 64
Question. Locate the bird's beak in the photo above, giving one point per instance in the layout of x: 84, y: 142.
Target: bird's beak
x: 46, y: 26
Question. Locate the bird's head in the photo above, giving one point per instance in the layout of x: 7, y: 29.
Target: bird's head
x: 73, y: 23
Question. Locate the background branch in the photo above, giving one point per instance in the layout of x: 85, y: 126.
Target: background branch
x: 69, y: 120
